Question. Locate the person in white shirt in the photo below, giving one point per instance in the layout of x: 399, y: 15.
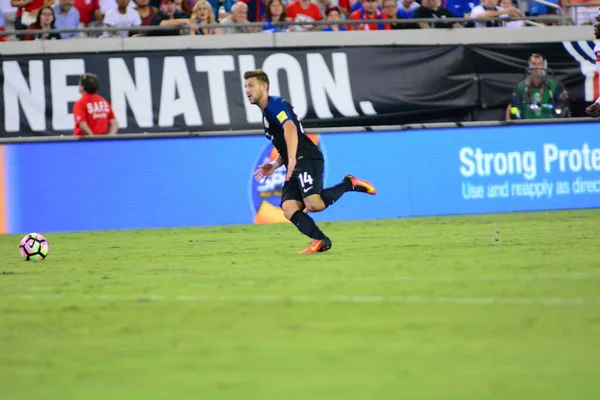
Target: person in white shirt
x: 593, y: 110
x: 505, y: 4
x: 106, y: 5
x: 490, y: 9
x: 122, y: 17
x: 10, y: 14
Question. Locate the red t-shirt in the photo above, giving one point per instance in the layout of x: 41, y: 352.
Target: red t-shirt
x: 95, y: 110
x: 360, y: 14
x: 146, y: 20
x: 298, y: 14
x: 34, y: 6
x: 86, y: 9
x: 345, y: 5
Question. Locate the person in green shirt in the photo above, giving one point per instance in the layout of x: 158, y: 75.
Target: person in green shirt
x: 538, y: 96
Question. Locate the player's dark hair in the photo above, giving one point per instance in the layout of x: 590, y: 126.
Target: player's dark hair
x: 89, y: 82
x: 258, y: 74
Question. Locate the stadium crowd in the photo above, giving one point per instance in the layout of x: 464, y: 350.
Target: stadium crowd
x: 187, y: 17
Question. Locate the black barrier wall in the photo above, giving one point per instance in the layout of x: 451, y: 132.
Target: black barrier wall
x: 203, y: 90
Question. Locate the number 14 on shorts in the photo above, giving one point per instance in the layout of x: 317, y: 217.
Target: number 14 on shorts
x: 306, y: 181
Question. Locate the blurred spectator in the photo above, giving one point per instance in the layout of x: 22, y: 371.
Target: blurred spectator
x: 167, y: 15
x: 390, y: 10
x: 225, y: 5
x: 581, y: 14
x: 89, y: 10
x: 31, y: 11
x: 304, y: 11
x: 461, y: 8
x: 221, y: 8
x: 406, y: 8
x: 358, y: 5
x: 19, y: 4
x: 275, y: 12
x: 538, y: 96
x: 506, y: 4
x: 45, y: 20
x: 433, y: 9
x: 67, y: 17
x: 239, y: 15
x: 122, y: 16
x: 323, y: 4
x: 2, y: 38
x: 145, y: 10
x: 202, y: 14
x: 223, y: 13
x: 334, y: 13
x: 106, y: 5
x: 93, y: 115
x: 344, y: 5
x: 182, y: 6
x: 8, y: 12
x: 490, y: 9
x: 370, y: 12
x: 256, y: 9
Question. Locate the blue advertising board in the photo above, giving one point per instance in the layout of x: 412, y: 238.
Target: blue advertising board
x: 178, y: 182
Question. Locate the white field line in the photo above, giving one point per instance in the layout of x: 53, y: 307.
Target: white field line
x: 279, y: 281
x: 346, y: 299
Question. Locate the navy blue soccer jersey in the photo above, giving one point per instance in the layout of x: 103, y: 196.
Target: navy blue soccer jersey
x: 277, y: 113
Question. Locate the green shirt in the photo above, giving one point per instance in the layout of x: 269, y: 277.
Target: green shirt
x: 536, y: 102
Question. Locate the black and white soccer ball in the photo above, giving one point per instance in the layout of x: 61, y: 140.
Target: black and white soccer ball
x: 34, y: 247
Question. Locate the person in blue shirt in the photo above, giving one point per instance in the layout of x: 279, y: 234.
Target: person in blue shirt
x: 275, y: 12
x: 333, y: 13
x: 358, y: 5
x: 304, y: 162
x: 536, y: 8
x: 460, y: 8
x: 67, y: 17
x: 408, y: 9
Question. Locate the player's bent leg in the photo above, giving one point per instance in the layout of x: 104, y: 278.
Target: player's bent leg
x: 332, y: 194
x: 349, y: 184
x: 292, y: 209
x: 314, y: 203
x: 289, y: 207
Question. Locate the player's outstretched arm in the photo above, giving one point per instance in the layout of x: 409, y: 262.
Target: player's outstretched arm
x: 267, y: 169
x: 291, y: 140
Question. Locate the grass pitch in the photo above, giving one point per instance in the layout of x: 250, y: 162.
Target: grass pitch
x: 480, y: 307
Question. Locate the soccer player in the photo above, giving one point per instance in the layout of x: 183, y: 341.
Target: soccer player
x: 303, y: 187
x: 593, y: 110
x: 93, y: 114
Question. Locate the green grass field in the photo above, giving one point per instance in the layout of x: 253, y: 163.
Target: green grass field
x: 428, y: 308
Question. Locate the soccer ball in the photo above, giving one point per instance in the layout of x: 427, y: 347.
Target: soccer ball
x: 34, y: 247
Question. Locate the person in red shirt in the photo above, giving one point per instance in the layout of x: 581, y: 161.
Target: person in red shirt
x: 89, y: 10
x: 345, y: 6
x: 304, y: 11
x: 369, y: 11
x: 93, y: 114
x: 146, y: 11
x: 30, y: 11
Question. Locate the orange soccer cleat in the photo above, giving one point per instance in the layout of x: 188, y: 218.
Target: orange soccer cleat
x: 317, y: 246
x: 360, y: 185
